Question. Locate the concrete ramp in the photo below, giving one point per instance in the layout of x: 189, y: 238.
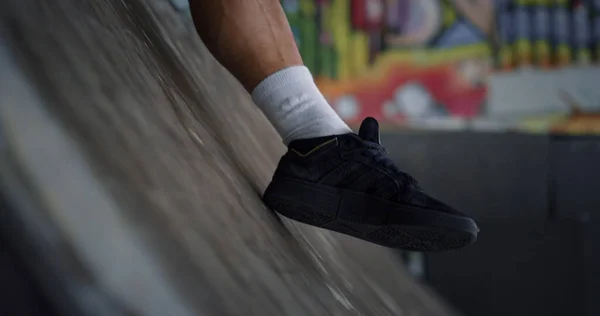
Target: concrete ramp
x: 133, y: 165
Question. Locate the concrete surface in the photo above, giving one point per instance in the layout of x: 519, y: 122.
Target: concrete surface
x: 134, y: 165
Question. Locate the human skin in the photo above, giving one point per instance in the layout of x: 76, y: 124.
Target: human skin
x: 250, y: 38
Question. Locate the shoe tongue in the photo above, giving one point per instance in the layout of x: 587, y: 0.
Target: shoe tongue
x: 369, y: 130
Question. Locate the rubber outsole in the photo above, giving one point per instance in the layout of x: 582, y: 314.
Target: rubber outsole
x: 369, y: 218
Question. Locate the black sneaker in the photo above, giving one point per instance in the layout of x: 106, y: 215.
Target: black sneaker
x: 346, y: 183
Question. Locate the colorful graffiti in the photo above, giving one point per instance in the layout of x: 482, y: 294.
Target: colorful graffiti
x: 396, y: 59
x: 410, y: 61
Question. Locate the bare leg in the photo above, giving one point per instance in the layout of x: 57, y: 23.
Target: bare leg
x: 253, y: 40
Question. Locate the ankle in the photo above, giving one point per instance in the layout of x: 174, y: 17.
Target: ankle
x: 294, y: 105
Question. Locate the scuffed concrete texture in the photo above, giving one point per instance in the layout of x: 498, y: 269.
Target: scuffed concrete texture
x: 135, y: 165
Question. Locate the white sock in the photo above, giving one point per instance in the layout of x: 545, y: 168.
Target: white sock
x: 294, y: 105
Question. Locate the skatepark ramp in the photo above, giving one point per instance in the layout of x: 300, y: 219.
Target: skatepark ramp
x: 133, y: 165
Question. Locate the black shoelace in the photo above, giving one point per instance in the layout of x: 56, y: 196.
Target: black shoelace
x: 379, y: 155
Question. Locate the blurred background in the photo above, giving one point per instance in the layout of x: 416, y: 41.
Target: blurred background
x: 494, y: 105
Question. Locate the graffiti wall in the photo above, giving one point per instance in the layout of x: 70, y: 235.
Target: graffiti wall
x: 413, y: 62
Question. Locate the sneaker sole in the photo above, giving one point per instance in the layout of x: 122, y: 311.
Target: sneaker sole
x: 369, y: 218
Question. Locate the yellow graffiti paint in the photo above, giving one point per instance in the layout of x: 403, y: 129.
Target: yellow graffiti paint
x: 448, y: 14
x: 308, y: 7
x: 360, y: 53
x: 341, y: 31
